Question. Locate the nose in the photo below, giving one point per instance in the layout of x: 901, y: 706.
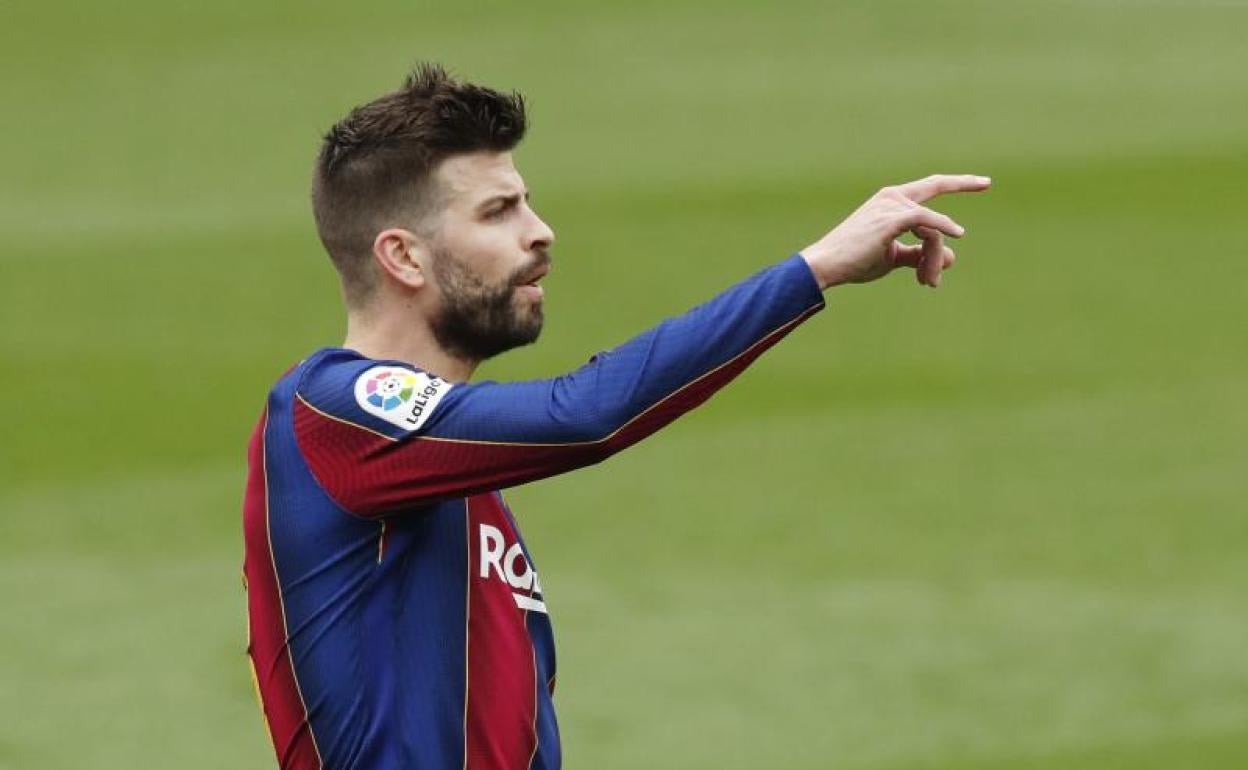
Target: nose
x: 538, y: 236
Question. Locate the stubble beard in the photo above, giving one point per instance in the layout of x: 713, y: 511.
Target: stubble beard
x: 478, y: 321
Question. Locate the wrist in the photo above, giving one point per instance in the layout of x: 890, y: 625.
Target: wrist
x: 823, y: 277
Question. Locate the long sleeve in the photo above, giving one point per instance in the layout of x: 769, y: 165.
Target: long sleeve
x: 382, y: 436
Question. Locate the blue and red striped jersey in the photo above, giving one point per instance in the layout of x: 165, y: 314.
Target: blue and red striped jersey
x: 396, y: 618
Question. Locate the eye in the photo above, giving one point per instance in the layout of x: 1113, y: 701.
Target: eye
x: 501, y: 207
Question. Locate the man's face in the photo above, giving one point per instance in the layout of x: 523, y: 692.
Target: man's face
x: 490, y: 251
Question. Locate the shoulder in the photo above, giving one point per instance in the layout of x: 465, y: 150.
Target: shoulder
x: 388, y: 397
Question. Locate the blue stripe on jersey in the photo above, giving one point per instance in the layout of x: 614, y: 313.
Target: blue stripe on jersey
x: 378, y: 649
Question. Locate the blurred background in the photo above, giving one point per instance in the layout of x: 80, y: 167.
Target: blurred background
x: 997, y: 525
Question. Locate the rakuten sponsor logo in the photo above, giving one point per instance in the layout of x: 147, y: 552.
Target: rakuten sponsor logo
x: 511, y: 566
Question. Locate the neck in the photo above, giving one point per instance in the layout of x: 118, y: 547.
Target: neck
x: 396, y: 337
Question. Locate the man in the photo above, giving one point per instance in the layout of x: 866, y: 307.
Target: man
x: 396, y: 616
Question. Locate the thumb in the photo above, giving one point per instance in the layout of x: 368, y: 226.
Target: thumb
x: 905, y: 254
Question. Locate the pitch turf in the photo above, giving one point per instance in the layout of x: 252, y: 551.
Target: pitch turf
x: 997, y: 525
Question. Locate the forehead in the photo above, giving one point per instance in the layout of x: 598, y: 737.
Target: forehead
x: 474, y: 177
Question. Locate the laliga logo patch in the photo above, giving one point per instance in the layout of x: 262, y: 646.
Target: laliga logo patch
x: 401, y: 397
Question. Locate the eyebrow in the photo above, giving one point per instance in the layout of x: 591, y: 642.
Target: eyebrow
x: 509, y: 199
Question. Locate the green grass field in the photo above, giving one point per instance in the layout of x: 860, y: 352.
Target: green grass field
x: 999, y: 525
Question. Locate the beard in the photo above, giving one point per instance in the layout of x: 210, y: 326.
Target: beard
x: 478, y: 320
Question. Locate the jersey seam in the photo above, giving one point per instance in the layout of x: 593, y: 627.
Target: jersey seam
x: 277, y: 579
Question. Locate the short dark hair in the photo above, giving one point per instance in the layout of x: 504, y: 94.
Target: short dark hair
x: 375, y: 165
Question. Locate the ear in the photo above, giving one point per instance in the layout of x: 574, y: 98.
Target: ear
x: 402, y: 256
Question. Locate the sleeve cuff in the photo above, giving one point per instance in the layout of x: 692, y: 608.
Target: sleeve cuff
x: 797, y: 271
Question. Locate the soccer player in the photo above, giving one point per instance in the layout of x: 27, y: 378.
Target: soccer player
x: 396, y: 618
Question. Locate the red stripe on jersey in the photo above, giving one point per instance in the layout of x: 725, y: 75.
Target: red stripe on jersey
x: 369, y: 473
x: 283, y: 706
x: 501, y: 700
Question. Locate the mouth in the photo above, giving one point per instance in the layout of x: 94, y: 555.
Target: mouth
x: 535, y: 276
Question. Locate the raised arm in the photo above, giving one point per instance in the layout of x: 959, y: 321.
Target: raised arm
x: 382, y: 436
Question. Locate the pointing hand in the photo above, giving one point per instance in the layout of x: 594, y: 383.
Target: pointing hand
x: 865, y: 247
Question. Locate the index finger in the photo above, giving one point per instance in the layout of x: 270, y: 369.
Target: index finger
x: 940, y: 184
